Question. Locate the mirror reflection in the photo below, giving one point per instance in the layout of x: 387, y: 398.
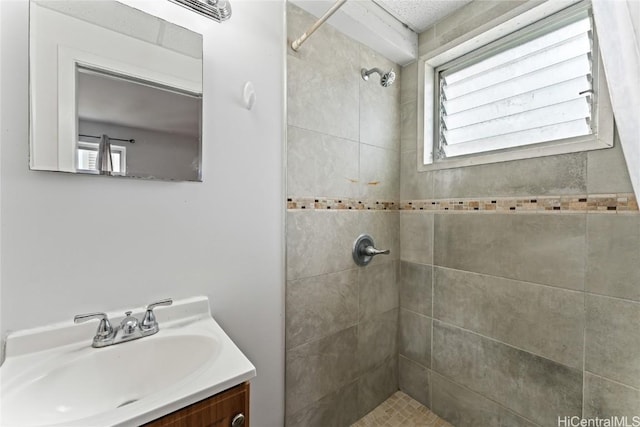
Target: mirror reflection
x: 115, y: 92
x: 136, y: 128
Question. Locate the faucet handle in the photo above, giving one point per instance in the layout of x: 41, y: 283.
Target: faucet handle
x: 149, y: 323
x: 104, y: 327
x: 167, y: 301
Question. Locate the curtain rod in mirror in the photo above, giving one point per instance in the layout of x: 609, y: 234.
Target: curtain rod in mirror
x: 131, y: 141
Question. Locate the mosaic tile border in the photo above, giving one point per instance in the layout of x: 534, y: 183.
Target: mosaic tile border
x: 323, y: 203
x: 595, y: 203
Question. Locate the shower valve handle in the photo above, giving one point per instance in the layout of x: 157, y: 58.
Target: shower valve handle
x: 371, y: 251
x: 364, y: 250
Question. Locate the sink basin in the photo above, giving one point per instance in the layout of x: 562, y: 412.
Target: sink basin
x: 132, y: 382
x: 98, y: 380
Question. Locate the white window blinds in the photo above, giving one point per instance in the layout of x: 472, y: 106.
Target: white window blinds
x: 529, y: 92
x: 88, y: 157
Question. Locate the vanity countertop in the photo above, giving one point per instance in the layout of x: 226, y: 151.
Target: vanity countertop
x: 52, y: 375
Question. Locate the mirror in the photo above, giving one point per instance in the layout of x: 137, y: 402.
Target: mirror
x: 114, y: 91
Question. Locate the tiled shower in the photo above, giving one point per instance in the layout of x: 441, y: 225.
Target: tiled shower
x: 343, y: 151
x: 512, y: 293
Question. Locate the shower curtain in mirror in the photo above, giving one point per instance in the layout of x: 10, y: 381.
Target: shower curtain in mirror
x: 105, y: 165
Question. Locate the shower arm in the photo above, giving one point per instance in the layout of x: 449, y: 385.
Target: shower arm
x: 365, y: 74
x: 298, y: 42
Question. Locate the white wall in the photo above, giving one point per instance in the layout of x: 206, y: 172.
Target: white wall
x: 222, y: 238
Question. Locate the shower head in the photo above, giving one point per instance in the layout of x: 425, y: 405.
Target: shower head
x: 386, y: 79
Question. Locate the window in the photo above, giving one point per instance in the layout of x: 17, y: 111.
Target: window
x: 88, y: 156
x: 534, y: 92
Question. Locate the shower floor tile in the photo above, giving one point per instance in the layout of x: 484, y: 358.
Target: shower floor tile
x: 400, y: 410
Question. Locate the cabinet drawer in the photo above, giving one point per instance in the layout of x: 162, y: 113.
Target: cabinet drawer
x: 217, y: 411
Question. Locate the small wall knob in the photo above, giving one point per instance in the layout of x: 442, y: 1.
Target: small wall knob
x: 364, y: 250
x: 237, y: 421
x: 249, y: 95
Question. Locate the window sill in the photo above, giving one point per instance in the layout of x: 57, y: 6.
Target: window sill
x: 573, y: 145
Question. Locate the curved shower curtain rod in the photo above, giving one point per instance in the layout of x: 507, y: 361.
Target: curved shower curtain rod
x: 298, y: 42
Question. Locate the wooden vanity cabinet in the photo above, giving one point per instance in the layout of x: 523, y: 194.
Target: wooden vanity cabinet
x: 229, y: 408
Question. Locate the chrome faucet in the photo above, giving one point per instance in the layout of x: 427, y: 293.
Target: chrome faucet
x: 129, y: 329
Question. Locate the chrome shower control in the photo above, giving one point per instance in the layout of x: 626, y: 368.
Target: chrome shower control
x: 364, y: 250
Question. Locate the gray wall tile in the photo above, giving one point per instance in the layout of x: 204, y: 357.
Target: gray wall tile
x: 339, y: 409
x: 319, y: 242
x: 321, y: 165
x: 415, y: 337
x: 378, y: 289
x: 377, y: 385
x: 413, y: 379
x: 409, y: 126
x: 377, y: 340
x: 323, y: 78
x: 464, y: 408
x: 409, y: 82
x: 319, y: 368
x: 379, y: 173
x: 604, y: 399
x: 612, y: 339
x: 331, y: 96
x: 543, y: 320
x: 320, y: 305
x: 533, y: 387
x: 415, y: 283
x: 379, y: 106
x: 416, y: 235
x: 562, y: 174
x: 427, y: 41
x: 414, y: 185
x: 613, y: 255
x: 607, y: 170
x: 540, y: 248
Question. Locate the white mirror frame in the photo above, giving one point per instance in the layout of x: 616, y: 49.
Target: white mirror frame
x: 53, y: 121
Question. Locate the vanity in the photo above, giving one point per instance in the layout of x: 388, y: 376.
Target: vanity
x: 189, y: 373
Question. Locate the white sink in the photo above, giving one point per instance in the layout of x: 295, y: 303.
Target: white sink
x: 72, y: 384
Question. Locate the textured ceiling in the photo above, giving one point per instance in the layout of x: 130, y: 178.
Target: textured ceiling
x: 420, y: 14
